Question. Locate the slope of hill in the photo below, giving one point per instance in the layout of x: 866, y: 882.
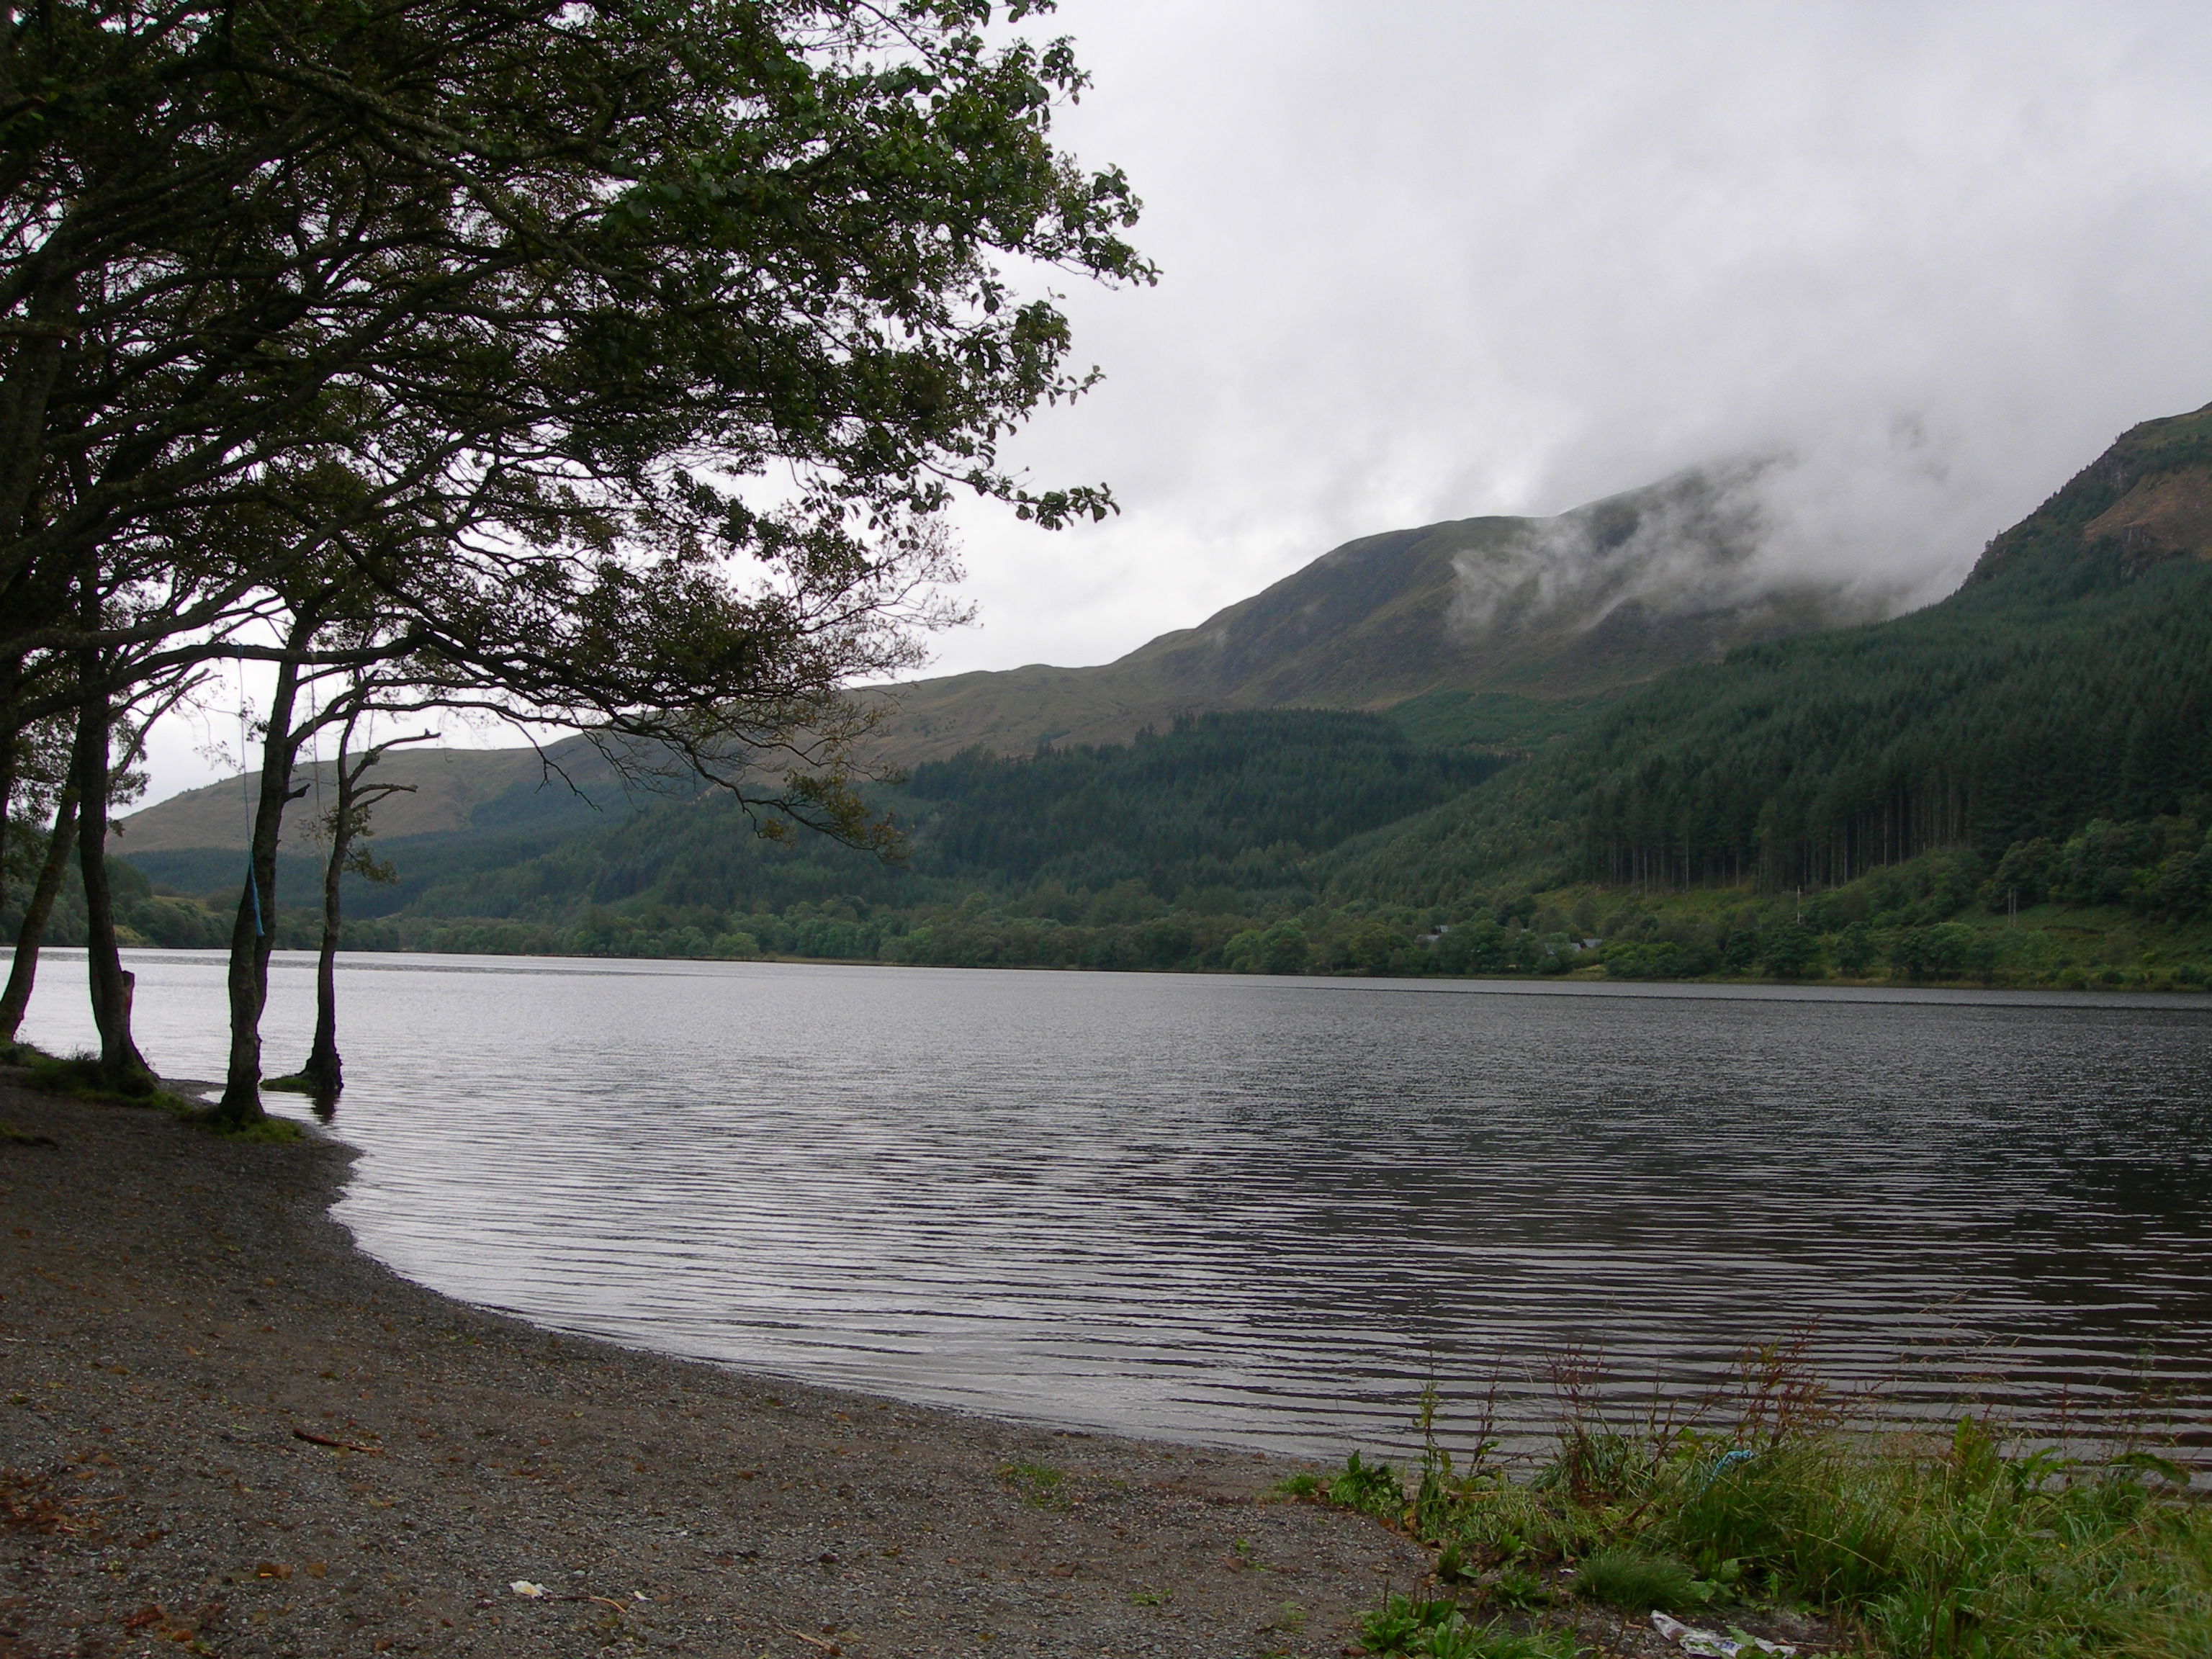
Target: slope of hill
x: 1547, y: 610
x: 1220, y: 812
x: 451, y: 790
x: 1499, y: 632
x: 2069, y: 681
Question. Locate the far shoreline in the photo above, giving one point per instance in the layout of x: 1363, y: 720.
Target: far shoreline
x: 1582, y: 982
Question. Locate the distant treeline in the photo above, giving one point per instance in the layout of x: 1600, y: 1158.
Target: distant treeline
x: 2114, y: 904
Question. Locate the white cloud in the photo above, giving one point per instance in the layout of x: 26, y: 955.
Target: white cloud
x: 1427, y: 261
x: 1435, y: 259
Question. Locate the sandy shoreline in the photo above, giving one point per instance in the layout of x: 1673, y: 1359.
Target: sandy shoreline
x: 177, y: 1313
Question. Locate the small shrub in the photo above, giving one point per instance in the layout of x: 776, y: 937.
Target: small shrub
x: 1519, y: 1588
x: 1371, y: 1488
x: 1402, y: 1625
x: 1636, y: 1583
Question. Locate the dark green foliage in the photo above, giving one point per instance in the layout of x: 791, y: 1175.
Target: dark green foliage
x: 2162, y: 866
x: 79, y: 1076
x: 1199, y: 805
x: 1463, y: 1639
x: 1938, y: 799
x: 1915, y: 1544
x: 143, y: 915
x: 1227, y: 803
x: 1155, y: 854
x: 1499, y: 719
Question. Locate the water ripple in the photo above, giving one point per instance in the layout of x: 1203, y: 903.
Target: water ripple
x: 1263, y: 1211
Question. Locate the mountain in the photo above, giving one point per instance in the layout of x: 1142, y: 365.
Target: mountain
x: 1498, y: 631
x: 1551, y: 610
x: 2067, y: 682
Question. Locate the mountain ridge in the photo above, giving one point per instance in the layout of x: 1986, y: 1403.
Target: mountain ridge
x: 1603, y: 596
x: 1555, y: 612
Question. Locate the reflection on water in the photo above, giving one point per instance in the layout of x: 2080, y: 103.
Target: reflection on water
x: 1262, y: 1211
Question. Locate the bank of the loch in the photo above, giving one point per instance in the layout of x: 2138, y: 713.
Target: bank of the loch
x: 184, y: 1335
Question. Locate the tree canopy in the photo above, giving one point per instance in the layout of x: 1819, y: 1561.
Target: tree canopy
x: 606, y: 362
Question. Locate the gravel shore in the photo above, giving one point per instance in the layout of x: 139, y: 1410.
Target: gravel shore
x: 223, y: 1431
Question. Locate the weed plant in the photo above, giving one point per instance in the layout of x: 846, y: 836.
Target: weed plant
x: 1038, y: 1484
x: 1440, y: 1629
x: 1919, y: 1544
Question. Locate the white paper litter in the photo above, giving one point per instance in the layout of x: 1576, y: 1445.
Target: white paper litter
x: 1710, y: 1644
x: 524, y: 1587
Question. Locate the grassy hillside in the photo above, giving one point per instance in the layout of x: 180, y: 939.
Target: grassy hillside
x: 1218, y: 816
x: 1527, y: 612
x: 448, y: 791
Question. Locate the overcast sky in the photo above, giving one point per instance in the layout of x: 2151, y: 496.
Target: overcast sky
x: 1423, y: 261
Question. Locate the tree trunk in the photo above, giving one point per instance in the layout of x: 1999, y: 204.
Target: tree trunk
x: 349, y: 820
x: 324, y: 1071
x: 121, y: 1066
x: 24, y: 972
x: 253, y: 933
x: 11, y: 750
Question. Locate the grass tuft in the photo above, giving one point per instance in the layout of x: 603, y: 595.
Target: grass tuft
x: 1038, y: 1484
x: 78, y: 1076
x: 1636, y: 1583
x: 1439, y: 1629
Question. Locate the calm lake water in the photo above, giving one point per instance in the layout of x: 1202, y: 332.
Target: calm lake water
x: 1266, y: 1211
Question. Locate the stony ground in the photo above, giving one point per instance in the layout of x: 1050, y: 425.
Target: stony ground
x: 223, y: 1431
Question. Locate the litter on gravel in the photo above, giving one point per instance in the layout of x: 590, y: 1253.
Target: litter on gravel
x: 1710, y: 1644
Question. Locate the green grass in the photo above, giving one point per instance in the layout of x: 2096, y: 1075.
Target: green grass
x: 77, y: 1076
x: 1440, y: 1629
x: 1916, y: 1544
x: 1038, y: 1484
x: 1634, y: 1581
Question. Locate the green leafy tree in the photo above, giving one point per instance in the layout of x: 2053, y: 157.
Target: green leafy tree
x: 623, y: 352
